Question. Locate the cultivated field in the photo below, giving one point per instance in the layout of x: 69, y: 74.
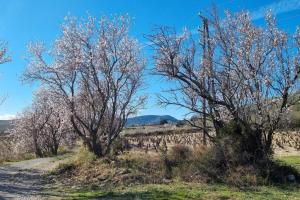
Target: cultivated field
x: 151, y: 137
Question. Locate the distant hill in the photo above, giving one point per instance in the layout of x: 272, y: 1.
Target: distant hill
x: 149, y: 120
x: 5, y: 125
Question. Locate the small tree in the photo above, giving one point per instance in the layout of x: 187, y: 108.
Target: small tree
x: 58, y: 129
x: 27, y: 131
x: 251, y: 76
x: 42, y: 127
x: 96, y: 70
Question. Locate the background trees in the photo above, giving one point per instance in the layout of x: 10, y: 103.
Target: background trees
x: 42, y: 127
x: 95, y: 69
x: 251, y: 75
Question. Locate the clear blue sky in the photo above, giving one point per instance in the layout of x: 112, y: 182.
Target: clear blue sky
x: 22, y: 21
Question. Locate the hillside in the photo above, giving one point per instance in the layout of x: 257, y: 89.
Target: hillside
x: 149, y: 120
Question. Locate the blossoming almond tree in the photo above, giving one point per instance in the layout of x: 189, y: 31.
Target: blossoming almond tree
x: 42, y: 127
x: 96, y: 70
x: 57, y: 130
x: 251, y: 75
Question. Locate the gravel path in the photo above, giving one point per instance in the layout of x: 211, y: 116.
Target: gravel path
x: 24, y: 180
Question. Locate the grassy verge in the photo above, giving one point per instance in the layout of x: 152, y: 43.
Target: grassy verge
x: 186, y: 191
x: 291, y: 160
x: 16, y: 158
x: 180, y: 190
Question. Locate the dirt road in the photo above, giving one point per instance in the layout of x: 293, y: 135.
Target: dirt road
x: 24, y: 180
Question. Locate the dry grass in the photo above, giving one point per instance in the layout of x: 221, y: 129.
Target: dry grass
x: 8, y: 153
x: 130, y: 168
x: 145, y: 163
x: 143, y: 166
x: 137, y: 168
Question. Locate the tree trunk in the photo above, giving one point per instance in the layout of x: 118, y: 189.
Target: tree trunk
x: 204, y: 122
x: 54, y: 150
x: 96, y: 149
x: 37, y: 150
x: 268, y: 145
x: 94, y: 145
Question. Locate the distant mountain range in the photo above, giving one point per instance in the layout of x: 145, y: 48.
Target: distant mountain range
x: 149, y: 120
x: 134, y: 121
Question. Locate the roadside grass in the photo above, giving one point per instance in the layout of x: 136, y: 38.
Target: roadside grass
x: 290, y: 160
x: 14, y: 158
x: 178, y: 190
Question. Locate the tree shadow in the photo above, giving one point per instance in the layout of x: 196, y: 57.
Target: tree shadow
x: 16, y: 182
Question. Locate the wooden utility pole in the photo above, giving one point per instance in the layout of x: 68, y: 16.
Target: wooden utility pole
x: 208, y: 77
x: 204, y: 75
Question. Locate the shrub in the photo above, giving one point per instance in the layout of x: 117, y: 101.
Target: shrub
x: 9, y: 152
x: 177, y: 159
x: 62, y: 150
x: 243, y: 176
x: 63, y: 168
x: 180, y: 154
x: 278, y: 172
x: 84, y: 156
x: 120, y: 145
x: 220, y: 164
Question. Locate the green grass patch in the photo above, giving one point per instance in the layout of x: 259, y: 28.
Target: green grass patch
x: 178, y: 191
x: 291, y: 160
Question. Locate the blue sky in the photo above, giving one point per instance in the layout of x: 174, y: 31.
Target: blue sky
x: 22, y: 21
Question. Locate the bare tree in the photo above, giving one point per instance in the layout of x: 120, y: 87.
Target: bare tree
x: 96, y: 69
x: 251, y: 72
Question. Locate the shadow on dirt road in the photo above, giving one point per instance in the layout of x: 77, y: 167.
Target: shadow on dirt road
x: 25, y: 180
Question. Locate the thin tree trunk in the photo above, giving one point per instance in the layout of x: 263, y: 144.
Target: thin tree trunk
x: 95, y: 146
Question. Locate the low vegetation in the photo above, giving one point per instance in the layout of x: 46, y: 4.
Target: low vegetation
x: 8, y: 153
x: 184, y: 191
x: 137, y: 174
